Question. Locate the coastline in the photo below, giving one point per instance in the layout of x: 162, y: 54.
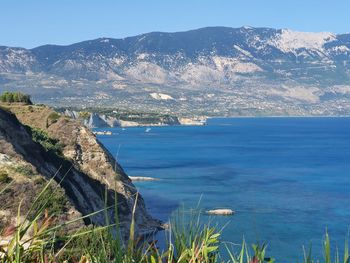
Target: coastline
x: 278, y: 116
x: 185, y: 172
x: 207, y: 119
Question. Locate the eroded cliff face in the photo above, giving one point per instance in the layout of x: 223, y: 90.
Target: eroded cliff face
x: 87, y: 170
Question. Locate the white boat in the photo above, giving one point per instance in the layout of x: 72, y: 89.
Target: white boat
x: 148, y: 130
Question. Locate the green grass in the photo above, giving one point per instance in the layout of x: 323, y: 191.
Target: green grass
x: 189, y: 240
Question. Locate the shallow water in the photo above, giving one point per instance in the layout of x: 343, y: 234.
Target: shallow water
x: 288, y: 179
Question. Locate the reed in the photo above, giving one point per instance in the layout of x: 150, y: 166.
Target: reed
x: 36, y: 239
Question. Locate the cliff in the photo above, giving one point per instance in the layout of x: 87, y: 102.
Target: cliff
x: 86, y: 170
x: 104, y: 118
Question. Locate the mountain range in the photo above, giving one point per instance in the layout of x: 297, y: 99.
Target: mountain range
x: 214, y: 71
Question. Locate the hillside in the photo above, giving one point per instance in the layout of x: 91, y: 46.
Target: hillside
x: 208, y: 71
x: 37, y: 143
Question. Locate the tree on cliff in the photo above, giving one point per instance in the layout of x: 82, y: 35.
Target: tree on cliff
x: 11, y: 97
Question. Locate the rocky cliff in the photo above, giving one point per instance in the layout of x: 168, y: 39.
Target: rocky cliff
x: 108, y: 119
x: 87, y: 172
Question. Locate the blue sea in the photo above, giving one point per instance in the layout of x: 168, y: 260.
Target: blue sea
x: 288, y: 179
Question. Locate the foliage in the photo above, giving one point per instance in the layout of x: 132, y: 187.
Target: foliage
x: 54, y: 199
x: 25, y: 170
x: 49, y: 144
x: 37, y: 240
x: 192, y: 240
x: 84, y: 114
x: 4, y: 177
x: 53, y: 117
x: 11, y: 97
x: 30, y: 108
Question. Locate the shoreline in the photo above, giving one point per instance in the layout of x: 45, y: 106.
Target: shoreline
x: 210, y: 118
x: 277, y: 116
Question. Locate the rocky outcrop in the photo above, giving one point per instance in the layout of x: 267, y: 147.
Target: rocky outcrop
x: 86, y: 171
x: 221, y: 211
x: 100, y: 121
x: 96, y: 120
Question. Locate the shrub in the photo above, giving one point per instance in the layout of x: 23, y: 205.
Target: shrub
x: 11, y: 97
x: 84, y: 114
x: 46, y: 141
x: 53, y: 117
x: 54, y: 200
x: 4, y: 177
x: 25, y: 170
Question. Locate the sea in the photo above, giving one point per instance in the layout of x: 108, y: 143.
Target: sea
x: 287, y: 179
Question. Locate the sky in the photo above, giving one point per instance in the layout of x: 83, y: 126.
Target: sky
x: 31, y: 23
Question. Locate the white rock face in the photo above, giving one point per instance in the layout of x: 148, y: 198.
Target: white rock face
x: 5, y: 159
x: 341, y: 89
x: 235, y: 65
x: 289, y: 41
x: 299, y: 93
x: 160, y: 96
x: 244, y: 52
x: 192, y: 121
x: 196, y: 74
x: 147, y: 72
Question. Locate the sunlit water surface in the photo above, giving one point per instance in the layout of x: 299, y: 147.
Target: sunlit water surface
x: 288, y: 179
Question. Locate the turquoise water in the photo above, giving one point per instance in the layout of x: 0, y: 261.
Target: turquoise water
x: 288, y: 179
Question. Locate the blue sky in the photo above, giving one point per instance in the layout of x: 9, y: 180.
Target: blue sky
x: 30, y: 23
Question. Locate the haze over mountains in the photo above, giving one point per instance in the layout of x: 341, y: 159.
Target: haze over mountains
x: 210, y: 71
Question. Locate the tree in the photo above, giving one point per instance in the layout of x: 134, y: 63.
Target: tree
x: 11, y: 97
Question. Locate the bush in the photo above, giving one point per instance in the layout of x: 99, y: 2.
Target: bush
x: 55, y: 200
x: 4, y: 177
x: 47, y: 142
x: 84, y: 114
x: 30, y: 108
x: 25, y: 170
x: 53, y: 117
x: 11, y: 97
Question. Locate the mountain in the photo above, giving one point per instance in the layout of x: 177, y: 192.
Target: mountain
x: 36, y: 145
x: 209, y: 71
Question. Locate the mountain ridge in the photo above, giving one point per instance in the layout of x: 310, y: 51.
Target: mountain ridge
x: 221, y: 69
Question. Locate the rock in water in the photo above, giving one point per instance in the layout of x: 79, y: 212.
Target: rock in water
x: 224, y: 211
x: 142, y: 178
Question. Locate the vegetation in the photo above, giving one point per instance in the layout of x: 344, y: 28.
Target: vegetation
x: 49, y: 144
x: 25, y: 170
x: 53, y: 199
x: 38, y: 239
x: 84, y: 114
x: 4, y: 177
x: 53, y: 117
x: 11, y: 97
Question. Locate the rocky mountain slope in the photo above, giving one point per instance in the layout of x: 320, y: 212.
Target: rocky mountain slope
x: 215, y: 70
x: 37, y: 144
